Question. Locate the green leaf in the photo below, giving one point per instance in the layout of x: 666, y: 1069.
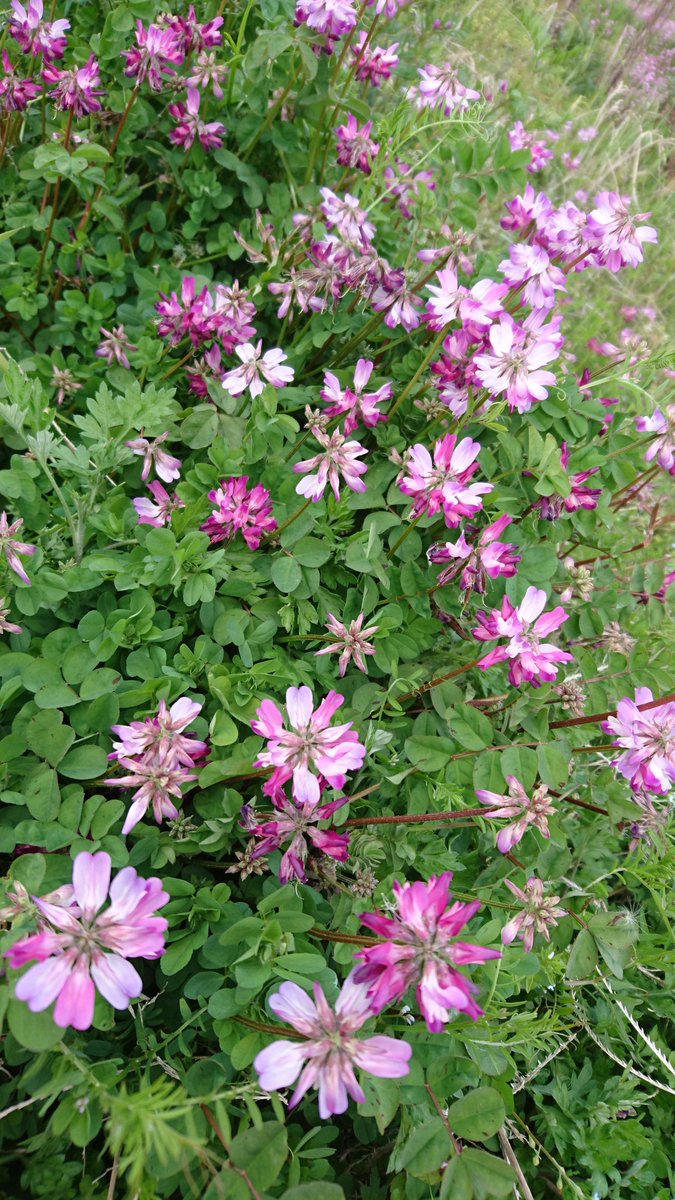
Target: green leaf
x: 425, y: 1149
x: 310, y: 552
x: 429, y: 753
x: 583, y: 957
x: 286, y: 574
x: 261, y: 1153
x: 308, y: 1191
x: 478, y: 1116
x: 48, y: 737
x: 490, y: 1176
x: 33, y: 1031
x: 84, y: 762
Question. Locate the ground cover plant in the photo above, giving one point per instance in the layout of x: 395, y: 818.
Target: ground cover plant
x: 336, y: 661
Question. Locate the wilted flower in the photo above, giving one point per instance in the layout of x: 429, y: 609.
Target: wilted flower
x: 27, y: 27
x: 65, y: 383
x: 572, y: 696
x: 356, y: 148
x: 444, y: 482
x: 298, y: 824
x: 159, y: 513
x: 539, y: 914
x: 338, y: 458
x: 240, y: 509
x: 353, y: 402
x: 528, y: 810
x: 352, y: 642
x: 330, y: 1049
x: 257, y: 367
x: 166, y: 466
x: 246, y: 863
x: 15, y: 94
x: 530, y: 660
x: 486, y: 558
x: 11, y: 548
x: 114, y: 346
x: 205, y: 71
x: 648, y: 739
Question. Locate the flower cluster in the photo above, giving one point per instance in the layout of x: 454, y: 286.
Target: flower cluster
x: 443, y: 483
x: 648, y: 741
x: 529, y: 811
x: 487, y: 558
x: 530, y: 660
x: 240, y: 509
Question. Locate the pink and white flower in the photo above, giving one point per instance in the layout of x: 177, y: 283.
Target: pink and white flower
x: 648, y: 741
x: 439, y: 87
x: 349, y: 220
x: 8, y: 626
x: 529, y: 811
x: 539, y: 914
x: 154, y: 56
x: 662, y: 447
x: 338, y: 458
x: 11, y: 548
x: 190, y: 125
x: 240, y: 509
x: 15, y: 93
x: 78, y: 89
x: 161, y: 511
x: 446, y: 295
x: 154, y: 455
x: 374, y: 64
x: 530, y: 660
x: 330, y: 1049
x: 443, y: 483
x: 514, y: 368
x: 354, y: 403
x: 351, y: 642
x: 298, y: 824
x: 488, y: 558
x: 530, y: 265
x: 35, y: 35
x: 615, y: 235
x: 257, y: 369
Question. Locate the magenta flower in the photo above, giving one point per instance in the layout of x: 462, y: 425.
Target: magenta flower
x: 662, y: 447
x: 444, y: 482
x: 540, y: 153
x: 349, y: 220
x: 356, y: 148
x: 11, y: 548
x: 78, y: 89
x: 299, y: 824
x: 309, y: 742
x: 532, y: 208
x: 190, y: 126
x: 163, y: 734
x: 534, y: 810
x: 187, y: 316
x: 192, y: 35
x: 486, y: 559
x: 352, y: 642
x: 155, y: 779
x: 374, y: 64
x: 154, y: 56
x: 398, y: 301
x: 240, y: 509
x: 154, y: 455
x: 27, y: 27
x: 338, y: 458
x: 15, y: 94
x: 160, y: 513
x: 530, y: 660
x: 81, y: 950
x: 530, y: 265
x: 330, y: 1050
x: 421, y: 951
x: 514, y: 367
x: 552, y: 507
x: 446, y: 295
x: 648, y: 739
x: 114, y: 345
x: 439, y: 87
x: 616, y: 237
x: 539, y: 914
x: 482, y: 305
x: 257, y: 367
x: 332, y: 17
x: 354, y: 403
x: 5, y: 625
x: 204, y: 370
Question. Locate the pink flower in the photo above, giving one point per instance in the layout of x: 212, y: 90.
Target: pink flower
x: 166, y: 466
x: 309, y: 742
x: 113, y: 348
x: 352, y: 642
x: 240, y: 509
x: 446, y: 295
x: 189, y: 127
x: 194, y: 37
x: 349, y: 220
x: 662, y: 447
x: 47, y: 38
x: 374, y: 64
x: 398, y: 301
x: 5, y: 625
x: 205, y: 369
x: 404, y: 184
x: 482, y: 305
x: 206, y: 71
x: 520, y: 139
x: 299, y: 824
x: 354, y: 403
x: 15, y: 94
x: 531, y: 265
x: 163, y: 734
x: 81, y: 950
x: 338, y: 458
x: 155, y: 779
x: 530, y: 660
x: 188, y: 316
x: 530, y: 208
x: 551, y: 507
x: 156, y: 52
x: 615, y: 234
x: 330, y: 1049
x: 439, y: 87
x: 487, y: 558
x: 514, y: 366
x: 539, y: 914
x: 355, y: 145
x: 332, y: 17
x: 159, y: 513
x: 12, y: 549
x: 78, y: 89
x: 444, y: 483
x: 648, y: 739
x: 420, y: 951
x: 255, y: 368
x: 534, y: 810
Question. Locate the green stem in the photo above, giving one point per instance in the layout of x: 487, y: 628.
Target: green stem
x: 435, y: 346
x: 272, y: 537
x: 408, y: 530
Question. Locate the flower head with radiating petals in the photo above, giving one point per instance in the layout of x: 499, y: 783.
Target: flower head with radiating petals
x: 530, y: 265
x: 347, y: 218
x: 354, y: 403
x: 27, y: 27
x: 309, y: 742
x: 5, y: 625
x: 529, y: 811
x: 648, y: 740
x: 11, y: 548
x: 374, y: 64
x: 154, y: 454
x: 352, y: 642
x: 421, y: 950
x: 330, y: 1051
x: 257, y: 369
x: 15, y: 93
x: 486, y: 559
x: 161, y: 511
x: 514, y: 366
x: 298, y: 824
x: 240, y: 509
x: 662, y: 447
x: 156, y: 53
x: 444, y: 482
x: 76, y: 90
x: 338, y: 458
x: 446, y: 295
x: 191, y: 126
x: 80, y: 949
x: 530, y: 660
x: 539, y: 914
x: 615, y: 235
x: 356, y: 148
x: 114, y: 346
x: 439, y: 87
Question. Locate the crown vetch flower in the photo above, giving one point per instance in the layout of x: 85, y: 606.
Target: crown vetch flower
x: 352, y: 642
x: 156, y: 778
x: 332, y: 17
x: 444, y: 482
x: 421, y: 951
x: 439, y: 87
x: 158, y: 514
x: 81, y: 950
x: 515, y: 365
x: 192, y: 35
x: 154, y: 56
x: 350, y: 221
x: 187, y: 316
x: 354, y: 403
x: 11, y: 548
x: 255, y: 368
x: 356, y: 148
x: 338, y: 458
x: 648, y: 741
x: 76, y: 90
x: 397, y: 300
x: 308, y: 742
x: 7, y: 626
x: 27, y: 27
x: 530, y: 265
x: 330, y: 1051
x: 206, y: 71
x: 15, y: 94
x: 662, y: 447
x: 299, y: 824
x: 446, y: 295
x: 530, y: 660
x: 164, y: 733
x: 528, y: 810
x: 615, y: 235
x: 190, y: 125
x: 539, y: 914
x: 551, y: 507
x: 166, y: 466
x: 240, y: 509
x: 374, y: 64
x: 114, y: 345
x: 486, y: 558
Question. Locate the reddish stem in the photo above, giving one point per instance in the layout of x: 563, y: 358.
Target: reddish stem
x: 593, y: 718
x: 417, y: 819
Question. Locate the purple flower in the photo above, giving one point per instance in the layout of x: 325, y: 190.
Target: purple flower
x: 257, y: 367
x: 355, y: 145
x: 354, y: 403
x: 539, y: 914
x: 615, y: 235
x: 11, y: 548
x: 648, y: 739
x: 81, y: 950
x: 439, y: 87
x: 15, y: 94
x: 528, y: 810
x: 159, y: 513
x: 332, y: 17
x: 530, y: 208
x: 352, y: 642
x: 662, y: 447
x: 240, y: 509
x: 187, y: 316
x: 444, y: 482
x: 330, y: 1049
x: 194, y: 37
x: 309, y: 742
x: 482, y: 305
x: 444, y: 304
x: 299, y: 824
x: 155, y: 779
x: 77, y: 90
x: 404, y: 184
x: 338, y: 458
x: 189, y: 127
x: 421, y: 951
x: 113, y: 348
x: 5, y: 625
x: 166, y: 466
x: 487, y: 558
x: 156, y: 52
x: 530, y: 660
x: 349, y: 220
x: 398, y: 301
x: 206, y: 71
x: 205, y: 369
x: 530, y: 265
x: 514, y: 367
x: 47, y: 38
x: 374, y: 64
x: 520, y: 139
x: 552, y: 507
